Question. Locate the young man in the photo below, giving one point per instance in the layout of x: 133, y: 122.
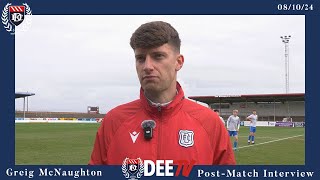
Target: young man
x: 233, y: 125
x: 218, y: 113
x: 253, y: 121
x: 162, y: 124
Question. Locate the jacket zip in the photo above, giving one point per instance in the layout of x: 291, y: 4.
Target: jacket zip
x: 159, y: 134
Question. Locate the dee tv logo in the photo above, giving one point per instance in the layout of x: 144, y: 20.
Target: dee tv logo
x: 135, y: 168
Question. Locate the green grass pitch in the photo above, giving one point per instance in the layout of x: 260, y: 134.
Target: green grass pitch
x: 71, y: 144
x: 54, y: 143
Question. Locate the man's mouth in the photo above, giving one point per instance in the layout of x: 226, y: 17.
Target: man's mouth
x: 148, y: 77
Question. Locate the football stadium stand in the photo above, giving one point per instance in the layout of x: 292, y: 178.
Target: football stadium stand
x: 41, y: 115
x: 24, y: 95
x: 269, y: 107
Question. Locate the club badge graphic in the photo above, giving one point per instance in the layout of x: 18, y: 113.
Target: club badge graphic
x: 132, y: 168
x: 13, y: 16
x: 186, y: 138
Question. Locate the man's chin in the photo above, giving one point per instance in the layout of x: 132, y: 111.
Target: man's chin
x: 150, y: 87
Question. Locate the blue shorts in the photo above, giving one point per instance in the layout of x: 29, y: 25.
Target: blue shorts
x: 233, y: 133
x: 252, y: 129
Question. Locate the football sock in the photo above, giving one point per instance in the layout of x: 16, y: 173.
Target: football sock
x: 249, y: 138
x: 235, y: 144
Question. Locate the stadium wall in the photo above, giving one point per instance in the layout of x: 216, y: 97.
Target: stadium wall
x: 58, y: 120
x: 274, y: 124
x: 43, y: 114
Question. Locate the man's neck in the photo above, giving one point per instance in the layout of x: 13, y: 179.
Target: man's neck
x: 162, y: 98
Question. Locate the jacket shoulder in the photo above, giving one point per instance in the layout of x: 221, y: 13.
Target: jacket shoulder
x: 116, y: 116
x: 196, y: 110
x: 125, y: 110
x: 205, y: 116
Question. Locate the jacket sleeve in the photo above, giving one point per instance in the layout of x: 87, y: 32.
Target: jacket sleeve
x: 99, y: 153
x: 223, y: 150
x: 105, y: 136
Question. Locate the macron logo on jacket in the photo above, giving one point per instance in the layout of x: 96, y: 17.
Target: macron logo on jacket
x: 134, y: 136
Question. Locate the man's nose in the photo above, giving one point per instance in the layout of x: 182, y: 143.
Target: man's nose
x: 148, y: 64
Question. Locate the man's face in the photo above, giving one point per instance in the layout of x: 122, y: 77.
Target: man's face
x: 157, y: 67
x: 235, y: 113
x: 254, y: 112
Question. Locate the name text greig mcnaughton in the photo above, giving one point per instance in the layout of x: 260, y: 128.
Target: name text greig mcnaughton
x: 53, y: 172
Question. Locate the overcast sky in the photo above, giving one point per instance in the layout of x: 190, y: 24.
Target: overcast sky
x: 71, y: 62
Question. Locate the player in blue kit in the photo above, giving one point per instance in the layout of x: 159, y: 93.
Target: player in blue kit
x: 253, y: 121
x: 233, y: 125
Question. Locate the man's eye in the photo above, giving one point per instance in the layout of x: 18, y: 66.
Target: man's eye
x: 159, y: 56
x: 140, y: 59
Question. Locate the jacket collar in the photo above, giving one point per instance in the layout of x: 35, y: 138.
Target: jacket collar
x: 170, y: 108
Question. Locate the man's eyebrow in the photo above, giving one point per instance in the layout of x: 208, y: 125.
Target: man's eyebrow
x: 139, y: 55
x: 158, y: 52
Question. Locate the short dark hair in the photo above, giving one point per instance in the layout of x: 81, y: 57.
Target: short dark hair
x: 154, y: 34
x: 216, y: 110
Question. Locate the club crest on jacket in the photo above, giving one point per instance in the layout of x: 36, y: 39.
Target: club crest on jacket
x: 186, y: 138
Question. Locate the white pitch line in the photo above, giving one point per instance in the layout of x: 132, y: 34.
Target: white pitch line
x: 261, y: 137
x: 269, y: 141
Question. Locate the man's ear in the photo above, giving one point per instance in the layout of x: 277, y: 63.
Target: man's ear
x: 180, y: 61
